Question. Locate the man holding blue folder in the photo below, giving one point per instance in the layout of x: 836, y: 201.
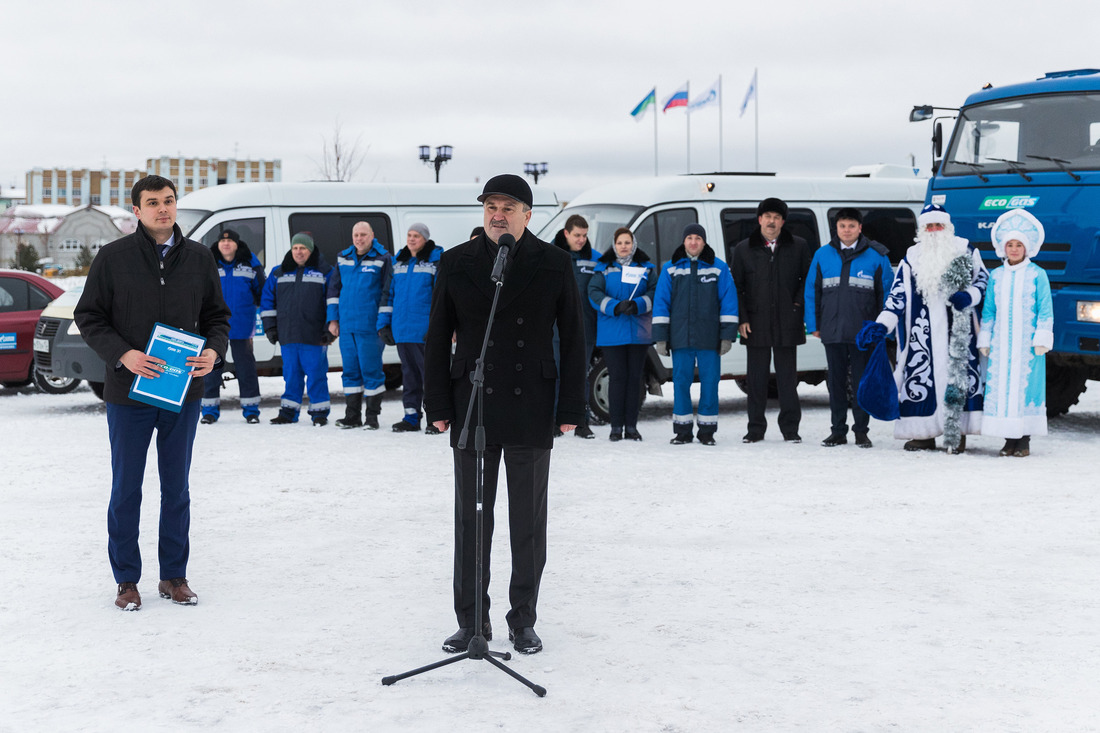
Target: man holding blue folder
x: 153, y: 276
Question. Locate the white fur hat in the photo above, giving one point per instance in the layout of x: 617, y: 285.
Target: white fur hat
x: 1020, y: 225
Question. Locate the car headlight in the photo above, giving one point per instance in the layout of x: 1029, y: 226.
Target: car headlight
x: 1088, y: 310
x: 72, y: 330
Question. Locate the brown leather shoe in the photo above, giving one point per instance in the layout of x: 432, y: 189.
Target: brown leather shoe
x: 128, y: 598
x: 177, y: 590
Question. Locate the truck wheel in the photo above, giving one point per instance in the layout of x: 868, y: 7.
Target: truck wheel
x: 55, y: 385
x: 598, y: 382
x: 1065, y: 384
x: 97, y: 387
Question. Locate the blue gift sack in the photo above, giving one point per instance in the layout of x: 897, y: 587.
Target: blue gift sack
x: 877, y: 393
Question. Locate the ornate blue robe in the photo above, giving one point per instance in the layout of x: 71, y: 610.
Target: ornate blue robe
x: 923, y: 325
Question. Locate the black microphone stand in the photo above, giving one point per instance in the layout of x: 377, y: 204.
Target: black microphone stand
x: 479, y: 647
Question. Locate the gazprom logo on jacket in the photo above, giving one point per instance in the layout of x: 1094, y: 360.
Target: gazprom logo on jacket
x: 1008, y: 202
x: 7, y: 341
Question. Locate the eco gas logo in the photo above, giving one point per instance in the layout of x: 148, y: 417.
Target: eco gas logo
x: 1007, y: 202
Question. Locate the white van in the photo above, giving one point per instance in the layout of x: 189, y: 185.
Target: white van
x: 657, y: 210
x: 267, y: 215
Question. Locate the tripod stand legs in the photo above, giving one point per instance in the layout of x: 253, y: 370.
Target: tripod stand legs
x: 479, y: 649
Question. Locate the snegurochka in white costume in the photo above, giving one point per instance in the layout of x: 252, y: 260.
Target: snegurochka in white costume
x: 1017, y: 330
x: 921, y: 307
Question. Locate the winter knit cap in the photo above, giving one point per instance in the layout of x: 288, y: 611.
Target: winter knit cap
x: 933, y: 214
x: 1020, y: 225
x: 230, y: 234
x: 303, y: 239
x: 695, y: 229
x: 773, y: 205
x: 420, y: 229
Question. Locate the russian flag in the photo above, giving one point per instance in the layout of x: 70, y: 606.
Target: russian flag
x: 678, y: 98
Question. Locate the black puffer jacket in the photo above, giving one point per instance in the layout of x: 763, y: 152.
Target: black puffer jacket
x: 770, y: 288
x: 129, y: 289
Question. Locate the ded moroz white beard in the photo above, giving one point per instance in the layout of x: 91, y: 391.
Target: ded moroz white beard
x: 930, y: 258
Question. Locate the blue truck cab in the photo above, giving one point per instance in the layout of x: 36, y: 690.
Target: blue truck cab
x: 1036, y: 146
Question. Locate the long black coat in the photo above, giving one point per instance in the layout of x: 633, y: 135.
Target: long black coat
x: 771, y: 288
x: 520, y: 374
x: 127, y: 292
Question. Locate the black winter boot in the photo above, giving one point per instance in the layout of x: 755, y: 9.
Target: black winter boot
x: 374, y: 408
x: 353, y: 405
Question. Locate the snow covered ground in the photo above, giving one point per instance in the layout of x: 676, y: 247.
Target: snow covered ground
x: 769, y: 587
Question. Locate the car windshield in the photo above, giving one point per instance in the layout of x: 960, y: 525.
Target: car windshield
x: 1027, y: 134
x: 188, y: 219
x: 603, y: 220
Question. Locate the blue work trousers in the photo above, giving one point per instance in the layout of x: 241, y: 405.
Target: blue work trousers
x: 130, y: 428
x: 684, y: 362
x: 362, y: 357
x: 244, y: 365
x: 302, y: 364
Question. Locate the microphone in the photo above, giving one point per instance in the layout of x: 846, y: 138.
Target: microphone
x: 506, y: 242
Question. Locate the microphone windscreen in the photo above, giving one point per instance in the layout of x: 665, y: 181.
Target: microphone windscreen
x: 506, y: 240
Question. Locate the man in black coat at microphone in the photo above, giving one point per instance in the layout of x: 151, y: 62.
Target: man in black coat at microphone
x: 539, y: 291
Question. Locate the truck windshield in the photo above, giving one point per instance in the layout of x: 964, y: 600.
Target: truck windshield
x: 1027, y: 134
x: 603, y: 220
x: 188, y: 219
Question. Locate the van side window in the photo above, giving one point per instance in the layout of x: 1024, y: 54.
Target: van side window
x: 332, y: 232
x: 738, y: 224
x: 251, y: 232
x: 894, y: 228
x: 661, y: 233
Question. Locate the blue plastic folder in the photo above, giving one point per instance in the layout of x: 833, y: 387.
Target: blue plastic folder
x: 169, y: 390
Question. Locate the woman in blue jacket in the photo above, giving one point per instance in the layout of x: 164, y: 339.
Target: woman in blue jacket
x: 621, y: 291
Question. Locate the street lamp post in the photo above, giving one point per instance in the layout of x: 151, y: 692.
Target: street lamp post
x: 536, y: 169
x: 442, y: 155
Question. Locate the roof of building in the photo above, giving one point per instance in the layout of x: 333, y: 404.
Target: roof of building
x: 45, y: 218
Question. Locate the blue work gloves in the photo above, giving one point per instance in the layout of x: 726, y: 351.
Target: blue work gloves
x: 961, y: 300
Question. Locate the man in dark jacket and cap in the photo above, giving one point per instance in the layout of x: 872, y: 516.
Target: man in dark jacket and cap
x: 538, y: 293
x: 770, y: 269
x: 242, y: 278
x: 573, y: 238
x: 151, y: 276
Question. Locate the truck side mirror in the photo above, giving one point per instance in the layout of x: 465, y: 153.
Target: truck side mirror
x: 937, y: 141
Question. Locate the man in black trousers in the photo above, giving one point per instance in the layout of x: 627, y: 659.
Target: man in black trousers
x: 769, y: 269
x: 539, y: 291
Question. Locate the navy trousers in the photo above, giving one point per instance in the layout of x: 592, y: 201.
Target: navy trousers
x: 412, y: 379
x: 624, y: 383
x: 131, y: 429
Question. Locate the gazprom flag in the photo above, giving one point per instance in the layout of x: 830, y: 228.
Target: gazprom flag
x: 749, y: 94
x: 705, y: 99
x: 678, y: 98
x: 650, y: 100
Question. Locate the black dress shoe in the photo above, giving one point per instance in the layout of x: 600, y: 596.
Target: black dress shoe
x: 836, y: 439
x: 750, y: 438
x: 525, y: 640
x: 681, y: 439
x: 583, y: 431
x: 792, y: 438
x: 616, y: 435
x: 632, y: 434
x: 920, y: 444
x: 863, y: 441
x: 459, y: 641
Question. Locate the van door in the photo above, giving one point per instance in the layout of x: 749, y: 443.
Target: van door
x: 662, y: 231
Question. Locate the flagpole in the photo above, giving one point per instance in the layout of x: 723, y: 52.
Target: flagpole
x: 655, y: 173
x: 687, y: 113
x: 720, y: 166
x: 756, y: 114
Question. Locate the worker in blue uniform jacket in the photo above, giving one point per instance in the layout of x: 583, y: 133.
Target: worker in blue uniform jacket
x: 695, y: 316
x: 361, y: 290
x: 573, y: 238
x: 294, y: 314
x: 405, y: 324
x: 242, y: 278
x: 621, y: 290
x: 847, y: 284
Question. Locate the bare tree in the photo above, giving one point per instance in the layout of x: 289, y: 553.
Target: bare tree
x: 340, y: 160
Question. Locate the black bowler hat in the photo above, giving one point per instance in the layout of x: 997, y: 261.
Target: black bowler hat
x: 508, y: 185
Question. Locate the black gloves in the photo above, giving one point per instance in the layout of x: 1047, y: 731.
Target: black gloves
x: 628, y: 307
x: 272, y: 335
x: 386, y: 334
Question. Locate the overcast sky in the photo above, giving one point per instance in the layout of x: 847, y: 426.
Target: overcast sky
x: 89, y: 84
